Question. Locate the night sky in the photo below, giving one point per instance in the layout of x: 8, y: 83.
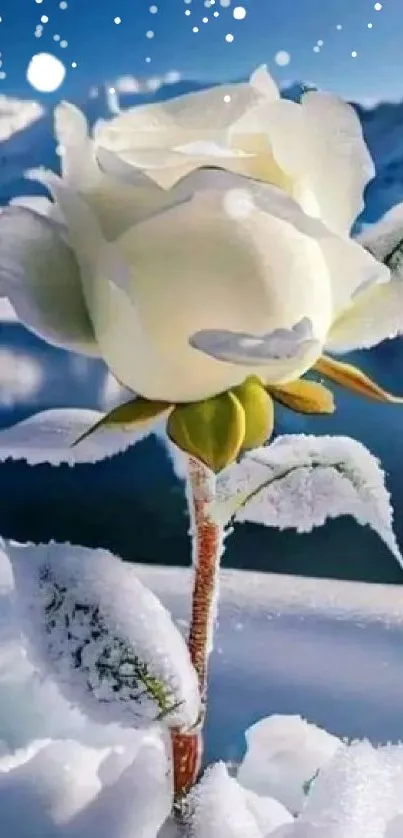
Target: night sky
x: 350, y: 46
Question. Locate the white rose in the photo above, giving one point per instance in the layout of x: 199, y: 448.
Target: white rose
x: 186, y: 288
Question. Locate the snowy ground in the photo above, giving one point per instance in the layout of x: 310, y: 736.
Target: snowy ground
x: 328, y: 651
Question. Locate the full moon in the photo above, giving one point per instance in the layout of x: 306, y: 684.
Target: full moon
x: 45, y: 72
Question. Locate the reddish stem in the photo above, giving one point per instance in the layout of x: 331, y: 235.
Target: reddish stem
x: 207, y: 545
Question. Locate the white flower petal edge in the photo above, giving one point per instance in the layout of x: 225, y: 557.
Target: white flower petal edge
x: 319, y: 147
x: 203, y: 117
x: 40, y: 276
x: 48, y: 438
x: 116, y: 205
x: 376, y: 313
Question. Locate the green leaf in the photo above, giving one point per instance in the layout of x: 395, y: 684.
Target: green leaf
x: 259, y: 412
x: 213, y: 430
x: 128, y: 416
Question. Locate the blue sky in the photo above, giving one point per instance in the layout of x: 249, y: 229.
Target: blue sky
x: 103, y: 49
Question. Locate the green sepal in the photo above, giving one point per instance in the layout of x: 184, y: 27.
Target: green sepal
x: 259, y: 412
x: 128, y: 416
x: 212, y: 430
x: 304, y: 396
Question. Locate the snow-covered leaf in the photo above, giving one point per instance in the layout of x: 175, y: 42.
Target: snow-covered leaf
x: 385, y: 240
x: 103, y: 636
x: 300, y: 481
x: 48, y: 437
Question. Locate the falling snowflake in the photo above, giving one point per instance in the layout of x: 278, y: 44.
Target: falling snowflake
x: 282, y: 58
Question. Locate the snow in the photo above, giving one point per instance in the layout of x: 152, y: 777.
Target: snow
x: 105, y: 638
x: 218, y: 807
x: 7, y: 313
x: 300, y: 481
x: 63, y: 789
x: 359, y: 795
x: 284, y: 754
x: 73, y: 778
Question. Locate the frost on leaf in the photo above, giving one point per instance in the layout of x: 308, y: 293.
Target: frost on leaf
x: 107, y: 640
x: 385, y: 240
x: 48, y: 437
x: 300, y: 481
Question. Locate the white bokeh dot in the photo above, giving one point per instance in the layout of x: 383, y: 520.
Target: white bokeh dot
x: 205, y: 20
x: 188, y: 12
x: 370, y: 25
x: 239, y: 13
x: 354, y: 54
x: 45, y: 72
x: 378, y: 7
x: 153, y: 10
x: 227, y: 98
x: 282, y: 58
x: 56, y: 37
x: 117, y: 20
x: 63, y: 5
x: 44, y: 19
x: 64, y: 44
x: 150, y: 34
x: 339, y: 27
x: 229, y: 38
x: 195, y: 29
x: 74, y: 64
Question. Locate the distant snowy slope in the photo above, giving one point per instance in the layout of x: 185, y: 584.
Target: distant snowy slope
x: 17, y: 114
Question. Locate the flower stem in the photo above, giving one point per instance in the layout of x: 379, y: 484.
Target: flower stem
x: 207, y: 548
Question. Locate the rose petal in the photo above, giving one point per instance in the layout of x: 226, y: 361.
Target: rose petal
x: 375, y: 315
x: 150, y: 135
x: 116, y: 205
x: 195, y: 280
x: 40, y: 276
x: 244, y: 348
x: 320, y: 146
